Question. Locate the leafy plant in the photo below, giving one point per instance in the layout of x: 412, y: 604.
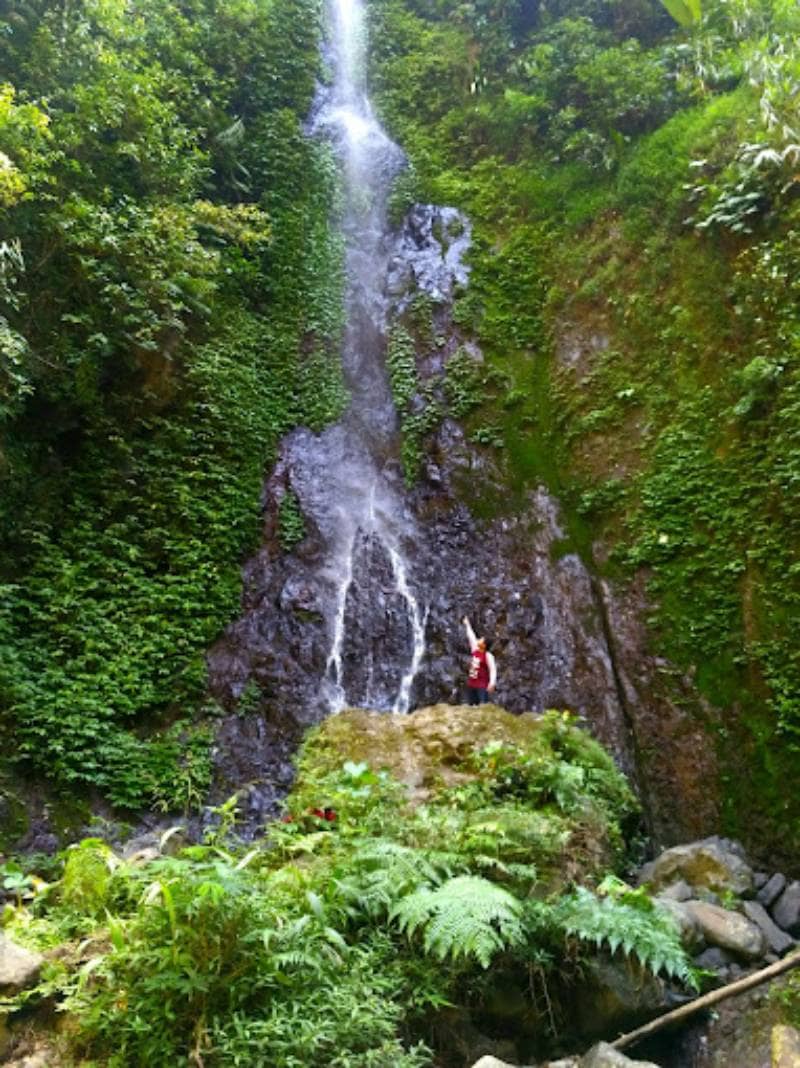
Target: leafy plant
x: 685, y: 12
x: 291, y: 524
x: 628, y: 921
x: 464, y: 917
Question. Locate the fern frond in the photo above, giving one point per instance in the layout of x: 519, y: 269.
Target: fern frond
x: 465, y: 917
x: 650, y: 934
x: 380, y: 872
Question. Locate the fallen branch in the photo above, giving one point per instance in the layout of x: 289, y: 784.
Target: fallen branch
x: 739, y: 987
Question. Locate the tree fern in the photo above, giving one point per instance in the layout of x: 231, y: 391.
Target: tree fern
x: 634, y: 925
x: 465, y: 917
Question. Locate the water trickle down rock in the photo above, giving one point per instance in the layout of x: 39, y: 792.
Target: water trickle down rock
x: 334, y: 622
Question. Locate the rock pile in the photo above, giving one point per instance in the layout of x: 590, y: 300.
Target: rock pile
x: 733, y: 920
x: 731, y: 917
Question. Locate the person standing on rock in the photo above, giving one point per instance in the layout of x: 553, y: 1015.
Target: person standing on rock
x: 482, y: 668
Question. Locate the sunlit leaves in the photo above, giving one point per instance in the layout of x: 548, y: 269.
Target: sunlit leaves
x: 685, y: 12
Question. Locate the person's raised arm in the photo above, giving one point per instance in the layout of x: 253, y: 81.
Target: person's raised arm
x: 473, y: 641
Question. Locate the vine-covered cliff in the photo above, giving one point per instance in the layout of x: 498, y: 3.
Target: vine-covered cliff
x: 171, y: 279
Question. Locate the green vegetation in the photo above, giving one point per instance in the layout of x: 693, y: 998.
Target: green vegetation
x: 171, y: 286
x: 323, y: 944
x: 633, y: 189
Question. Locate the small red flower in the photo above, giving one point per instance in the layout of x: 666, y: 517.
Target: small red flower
x: 327, y: 814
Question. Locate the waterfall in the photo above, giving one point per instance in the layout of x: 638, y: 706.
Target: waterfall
x: 375, y: 613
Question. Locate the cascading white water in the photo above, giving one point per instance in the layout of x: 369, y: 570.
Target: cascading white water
x: 370, y: 519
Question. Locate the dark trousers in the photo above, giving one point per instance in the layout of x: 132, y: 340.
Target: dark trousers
x: 476, y: 696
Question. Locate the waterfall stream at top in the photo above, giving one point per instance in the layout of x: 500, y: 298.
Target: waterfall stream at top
x: 369, y: 524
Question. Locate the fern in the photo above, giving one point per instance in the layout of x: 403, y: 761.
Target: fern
x: 634, y: 925
x: 381, y: 872
x: 465, y: 917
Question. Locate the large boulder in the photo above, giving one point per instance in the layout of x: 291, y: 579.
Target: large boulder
x: 19, y: 968
x: 604, y: 1056
x: 729, y: 930
x: 713, y: 864
x: 491, y: 1062
x: 45, y: 1058
x: 615, y: 994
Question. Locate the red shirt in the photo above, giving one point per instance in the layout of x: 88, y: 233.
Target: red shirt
x: 478, y: 670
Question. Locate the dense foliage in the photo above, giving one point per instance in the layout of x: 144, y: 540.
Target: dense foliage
x: 323, y: 945
x: 632, y: 183
x: 171, y: 284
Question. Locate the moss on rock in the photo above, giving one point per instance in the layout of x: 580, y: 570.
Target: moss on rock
x: 426, y: 750
x: 541, y: 789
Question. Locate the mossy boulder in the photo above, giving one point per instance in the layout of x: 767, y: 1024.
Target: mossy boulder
x: 785, y: 1047
x: 427, y: 751
x: 435, y: 748
x: 546, y: 790
x: 713, y: 864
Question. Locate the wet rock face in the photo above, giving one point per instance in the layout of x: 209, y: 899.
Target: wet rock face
x: 539, y: 613
x: 378, y: 638
x: 562, y: 638
x: 542, y: 615
x: 427, y: 255
x: 672, y: 725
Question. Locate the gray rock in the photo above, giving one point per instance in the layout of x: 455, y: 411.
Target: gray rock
x: 713, y: 864
x: 692, y: 938
x: 19, y: 968
x: 771, y: 890
x: 729, y: 930
x: 779, y: 941
x: 614, y: 995
x: 760, y: 878
x: 491, y: 1062
x: 786, y: 910
x: 727, y: 845
x: 714, y: 959
x: 679, y: 891
x: 604, y: 1056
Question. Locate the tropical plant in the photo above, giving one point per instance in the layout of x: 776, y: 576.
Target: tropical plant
x: 466, y: 916
x: 685, y: 12
x: 628, y: 920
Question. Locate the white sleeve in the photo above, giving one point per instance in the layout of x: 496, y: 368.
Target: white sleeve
x: 490, y: 660
x: 473, y: 641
